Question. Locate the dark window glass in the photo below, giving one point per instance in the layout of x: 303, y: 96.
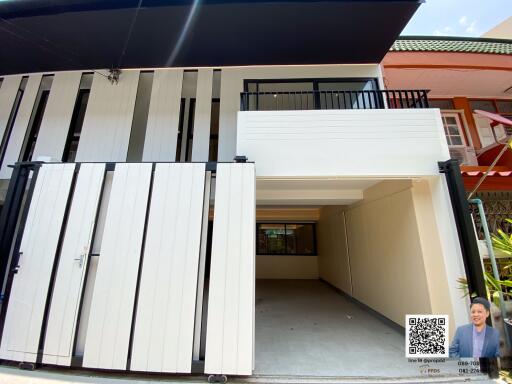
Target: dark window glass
x: 180, y: 130
x: 286, y: 239
x: 190, y: 129
x: 33, y: 131
x: 504, y: 106
x: 336, y: 93
x: 140, y: 118
x: 441, y: 104
x: 214, y: 131
x: 75, y: 128
x: 483, y: 105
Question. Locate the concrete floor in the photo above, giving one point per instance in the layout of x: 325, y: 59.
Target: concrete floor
x: 305, y: 327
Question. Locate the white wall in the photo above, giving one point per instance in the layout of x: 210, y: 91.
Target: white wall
x: 8, y: 92
x: 396, y: 251
x: 386, y: 258
x: 334, y: 263
x: 232, y: 80
x: 54, y: 129
x: 286, y: 267
x: 394, y: 142
x: 21, y: 123
x: 108, y: 118
x: 163, y: 117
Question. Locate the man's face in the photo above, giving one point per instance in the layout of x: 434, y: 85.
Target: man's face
x: 479, y: 314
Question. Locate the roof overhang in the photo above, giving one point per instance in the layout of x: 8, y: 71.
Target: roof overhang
x: 53, y: 35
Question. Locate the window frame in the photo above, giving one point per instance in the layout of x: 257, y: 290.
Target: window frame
x: 460, y: 127
x: 315, y: 243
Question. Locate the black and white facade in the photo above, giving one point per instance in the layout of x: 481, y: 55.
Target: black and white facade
x: 136, y: 247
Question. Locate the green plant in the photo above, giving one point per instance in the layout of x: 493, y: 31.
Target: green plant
x: 501, y: 242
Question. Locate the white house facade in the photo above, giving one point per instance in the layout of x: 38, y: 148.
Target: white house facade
x: 152, y: 219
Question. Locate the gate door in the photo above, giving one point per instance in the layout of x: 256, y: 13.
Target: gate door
x: 74, y: 256
x: 164, y: 324
x: 25, y: 311
x: 110, y: 317
x: 230, y: 326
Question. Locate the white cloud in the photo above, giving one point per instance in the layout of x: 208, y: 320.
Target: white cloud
x: 443, y: 31
x: 463, y: 21
x: 471, y: 28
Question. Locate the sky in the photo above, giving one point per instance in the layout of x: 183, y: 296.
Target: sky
x: 469, y: 18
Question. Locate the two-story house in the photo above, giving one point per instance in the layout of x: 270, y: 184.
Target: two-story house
x: 145, y: 241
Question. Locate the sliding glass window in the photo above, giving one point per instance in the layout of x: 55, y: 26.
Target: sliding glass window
x: 306, y: 94
x: 286, y: 239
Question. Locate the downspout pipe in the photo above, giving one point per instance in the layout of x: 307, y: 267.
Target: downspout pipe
x: 492, y: 257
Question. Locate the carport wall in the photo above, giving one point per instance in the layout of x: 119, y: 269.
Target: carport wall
x: 386, y: 252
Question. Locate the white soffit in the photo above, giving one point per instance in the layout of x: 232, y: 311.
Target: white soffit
x: 451, y: 82
x: 311, y: 191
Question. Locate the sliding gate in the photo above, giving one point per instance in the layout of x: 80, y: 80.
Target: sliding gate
x: 158, y: 299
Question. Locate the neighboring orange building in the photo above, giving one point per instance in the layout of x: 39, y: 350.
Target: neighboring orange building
x: 464, y: 75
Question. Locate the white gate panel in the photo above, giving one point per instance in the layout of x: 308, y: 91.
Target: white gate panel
x: 25, y: 312
x: 230, y: 327
x: 67, y: 291
x: 110, y: 319
x: 164, y: 326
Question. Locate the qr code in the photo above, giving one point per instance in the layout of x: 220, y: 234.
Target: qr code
x: 426, y: 336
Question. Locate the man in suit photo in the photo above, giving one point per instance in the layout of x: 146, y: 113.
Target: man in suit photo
x: 476, y: 339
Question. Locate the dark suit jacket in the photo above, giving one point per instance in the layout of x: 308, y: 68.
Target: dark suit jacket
x: 462, y: 344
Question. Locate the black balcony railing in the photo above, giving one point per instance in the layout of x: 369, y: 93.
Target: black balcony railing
x: 303, y: 100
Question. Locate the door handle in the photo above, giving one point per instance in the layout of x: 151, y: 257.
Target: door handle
x: 81, y: 258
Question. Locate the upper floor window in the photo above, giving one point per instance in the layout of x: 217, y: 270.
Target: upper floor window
x: 305, y: 94
x: 441, y: 103
x: 490, y: 135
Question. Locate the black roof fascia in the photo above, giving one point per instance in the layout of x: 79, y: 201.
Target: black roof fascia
x: 46, y: 36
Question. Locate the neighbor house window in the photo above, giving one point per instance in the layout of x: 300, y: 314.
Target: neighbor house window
x: 286, y: 239
x: 441, y: 103
x: 453, y: 129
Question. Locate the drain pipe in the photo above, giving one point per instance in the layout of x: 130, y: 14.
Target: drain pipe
x: 492, y: 257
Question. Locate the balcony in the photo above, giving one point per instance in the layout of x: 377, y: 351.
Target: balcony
x: 341, y: 134
x: 335, y: 99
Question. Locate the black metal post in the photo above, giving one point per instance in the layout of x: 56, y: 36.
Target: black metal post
x: 468, y: 244
x: 10, y: 214
x: 467, y: 237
